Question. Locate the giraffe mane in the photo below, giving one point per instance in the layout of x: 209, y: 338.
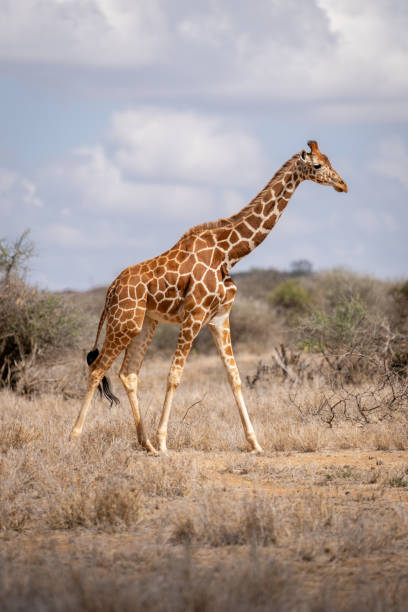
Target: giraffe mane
x: 206, y: 226
x: 231, y: 220
x: 284, y: 168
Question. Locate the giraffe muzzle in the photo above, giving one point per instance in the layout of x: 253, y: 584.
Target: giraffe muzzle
x: 341, y: 187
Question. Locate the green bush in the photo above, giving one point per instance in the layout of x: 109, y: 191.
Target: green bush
x: 352, y: 329
x: 337, y: 328
x: 290, y: 296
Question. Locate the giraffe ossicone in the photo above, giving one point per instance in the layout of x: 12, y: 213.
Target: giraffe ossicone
x: 190, y: 285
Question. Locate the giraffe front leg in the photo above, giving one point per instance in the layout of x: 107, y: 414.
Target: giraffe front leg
x: 188, y: 332
x: 222, y: 338
x: 172, y: 384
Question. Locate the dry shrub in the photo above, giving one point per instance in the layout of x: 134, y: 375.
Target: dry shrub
x: 222, y: 521
x: 304, y: 438
x: 14, y: 514
x: 95, y: 499
x: 169, y: 477
x: 103, y: 436
x: 15, y: 435
x: 386, y: 476
x: 33, y: 324
x: 104, y: 504
x: 367, y: 403
x: 118, y: 504
x: 349, y: 534
x: 253, y: 324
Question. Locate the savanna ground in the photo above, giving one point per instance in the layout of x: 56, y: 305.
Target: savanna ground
x: 319, y: 522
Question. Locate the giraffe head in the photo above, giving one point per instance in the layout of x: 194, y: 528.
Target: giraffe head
x: 316, y: 167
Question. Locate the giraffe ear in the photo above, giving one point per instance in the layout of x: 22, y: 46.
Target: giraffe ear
x: 303, y: 155
x: 314, y: 147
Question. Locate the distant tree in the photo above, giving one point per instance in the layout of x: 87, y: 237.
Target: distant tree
x: 14, y: 256
x: 301, y: 267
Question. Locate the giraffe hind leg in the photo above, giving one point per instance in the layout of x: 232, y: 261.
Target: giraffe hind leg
x: 129, y: 373
x: 104, y: 387
x: 97, y: 370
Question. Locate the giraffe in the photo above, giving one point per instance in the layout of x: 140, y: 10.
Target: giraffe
x: 190, y: 285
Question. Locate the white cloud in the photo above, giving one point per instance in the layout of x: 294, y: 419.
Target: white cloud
x: 185, y: 146
x: 90, y: 32
x: 90, y: 234
x: 168, y: 163
x: 391, y: 160
x: 321, y: 51
x: 334, y: 53
x: 96, y: 182
x: 16, y: 190
x: 372, y: 47
x: 341, y: 56
x: 30, y: 193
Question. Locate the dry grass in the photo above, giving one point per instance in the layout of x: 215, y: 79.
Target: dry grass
x: 320, y: 522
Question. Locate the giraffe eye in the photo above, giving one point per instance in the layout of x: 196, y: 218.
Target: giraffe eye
x: 317, y: 166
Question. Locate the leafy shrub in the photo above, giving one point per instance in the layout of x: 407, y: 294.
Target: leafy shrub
x: 352, y: 330
x: 334, y: 329
x: 399, y: 295
x: 290, y: 297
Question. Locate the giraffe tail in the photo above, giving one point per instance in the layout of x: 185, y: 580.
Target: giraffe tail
x: 104, y: 387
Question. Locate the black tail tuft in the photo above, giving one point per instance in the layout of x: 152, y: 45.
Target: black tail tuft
x: 104, y: 388
x: 91, y: 356
x: 107, y: 391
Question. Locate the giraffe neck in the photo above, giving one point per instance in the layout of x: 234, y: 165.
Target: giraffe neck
x: 254, y: 222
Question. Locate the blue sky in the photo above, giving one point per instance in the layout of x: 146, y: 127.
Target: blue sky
x: 126, y: 122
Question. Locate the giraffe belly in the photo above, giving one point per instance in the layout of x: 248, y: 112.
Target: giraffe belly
x: 164, y: 317
x: 166, y: 308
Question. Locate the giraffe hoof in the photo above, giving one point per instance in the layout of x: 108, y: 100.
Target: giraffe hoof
x: 152, y: 452
x: 256, y: 451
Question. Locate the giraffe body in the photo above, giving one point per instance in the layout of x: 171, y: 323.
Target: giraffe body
x: 190, y: 285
